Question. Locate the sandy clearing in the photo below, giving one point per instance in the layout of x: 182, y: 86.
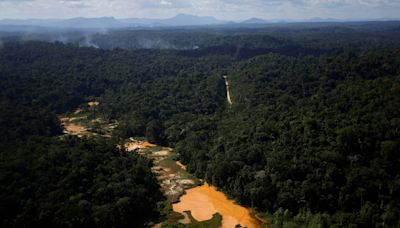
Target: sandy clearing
x: 162, y: 153
x: 74, y: 129
x: 135, y: 144
x: 186, y: 219
x: 182, y: 166
x: 185, y: 182
x: 93, y: 103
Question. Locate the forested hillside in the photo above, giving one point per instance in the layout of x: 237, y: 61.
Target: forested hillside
x: 310, y: 139
x: 309, y: 136
x: 64, y: 182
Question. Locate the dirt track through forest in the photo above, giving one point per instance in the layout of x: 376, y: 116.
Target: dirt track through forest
x: 228, y: 95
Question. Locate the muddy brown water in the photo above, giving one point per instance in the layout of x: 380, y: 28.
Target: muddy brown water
x: 206, y: 200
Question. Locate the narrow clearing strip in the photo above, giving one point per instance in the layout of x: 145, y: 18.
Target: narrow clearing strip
x: 228, y: 95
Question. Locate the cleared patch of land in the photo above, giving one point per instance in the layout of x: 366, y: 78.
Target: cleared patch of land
x: 228, y: 94
x: 93, y: 103
x: 133, y: 145
x: 173, y: 179
x: 204, y: 201
x: 84, y: 122
x: 175, y: 182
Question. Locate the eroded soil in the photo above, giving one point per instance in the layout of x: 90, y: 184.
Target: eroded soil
x: 173, y: 179
x: 195, y: 201
x: 83, y: 122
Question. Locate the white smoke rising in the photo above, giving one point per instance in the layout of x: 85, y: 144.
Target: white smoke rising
x: 88, y: 42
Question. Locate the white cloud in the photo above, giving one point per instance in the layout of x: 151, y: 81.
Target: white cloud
x: 223, y: 9
x: 164, y: 3
x: 75, y: 3
x: 16, y: 1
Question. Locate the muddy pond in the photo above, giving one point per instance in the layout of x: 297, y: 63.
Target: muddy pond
x: 205, y: 200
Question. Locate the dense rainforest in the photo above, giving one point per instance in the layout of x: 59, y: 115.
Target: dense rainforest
x: 312, y: 137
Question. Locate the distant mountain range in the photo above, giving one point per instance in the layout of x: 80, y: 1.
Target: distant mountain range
x: 110, y: 22
x: 178, y: 20
x: 254, y: 21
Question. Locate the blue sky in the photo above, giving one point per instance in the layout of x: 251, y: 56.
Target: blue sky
x: 221, y: 9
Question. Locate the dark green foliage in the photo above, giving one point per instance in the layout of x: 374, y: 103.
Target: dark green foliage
x: 310, y: 135
x: 63, y: 182
x: 74, y: 183
x: 313, y: 140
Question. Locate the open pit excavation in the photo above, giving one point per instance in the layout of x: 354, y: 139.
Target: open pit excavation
x: 173, y: 179
x: 195, y: 201
x: 205, y: 200
x: 79, y: 124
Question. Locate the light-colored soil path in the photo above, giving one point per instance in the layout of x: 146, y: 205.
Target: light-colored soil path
x: 186, y: 219
x: 228, y: 94
x: 181, y: 165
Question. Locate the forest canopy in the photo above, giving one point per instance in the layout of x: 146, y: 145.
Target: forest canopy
x: 312, y: 136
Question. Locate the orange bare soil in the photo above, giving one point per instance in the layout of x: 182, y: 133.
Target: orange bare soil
x: 93, y: 103
x: 205, y: 200
x: 131, y: 146
x: 75, y: 129
x: 72, y: 128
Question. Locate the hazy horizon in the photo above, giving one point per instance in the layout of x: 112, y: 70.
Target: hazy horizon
x: 231, y: 10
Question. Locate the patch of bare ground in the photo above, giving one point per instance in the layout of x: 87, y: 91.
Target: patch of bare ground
x: 186, y: 219
x: 78, y: 111
x: 182, y: 166
x: 73, y: 128
x: 204, y: 201
x: 158, y: 225
x: 171, y: 176
x: 133, y: 144
x: 80, y: 125
x: 93, y: 103
x: 228, y: 95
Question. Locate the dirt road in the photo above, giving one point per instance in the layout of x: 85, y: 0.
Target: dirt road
x: 228, y: 95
